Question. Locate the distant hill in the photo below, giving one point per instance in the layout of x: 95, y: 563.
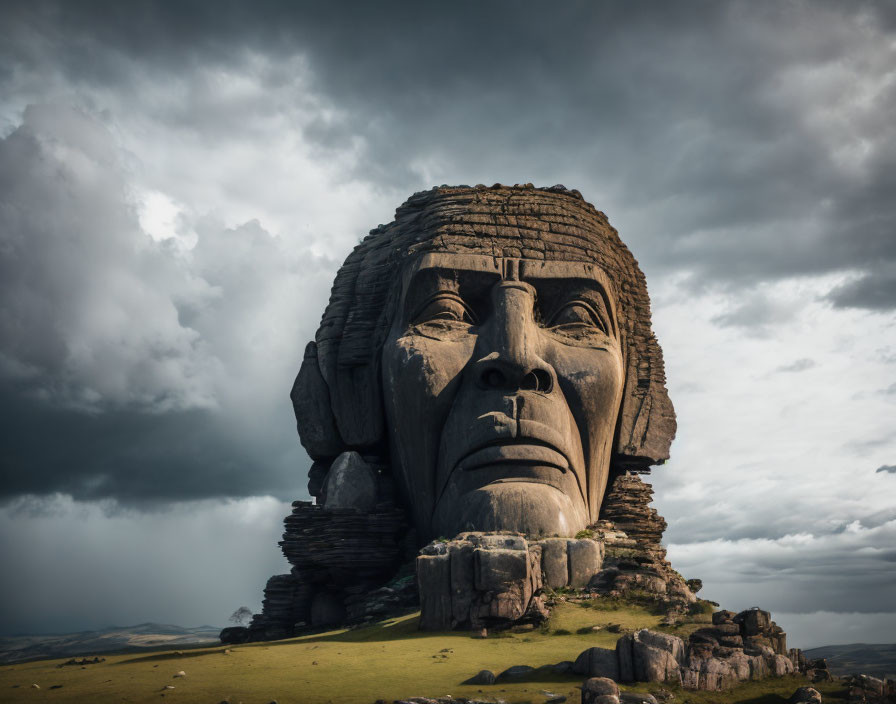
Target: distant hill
x: 115, y: 638
x: 865, y: 658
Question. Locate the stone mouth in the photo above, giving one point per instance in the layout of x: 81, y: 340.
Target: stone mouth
x: 520, y: 452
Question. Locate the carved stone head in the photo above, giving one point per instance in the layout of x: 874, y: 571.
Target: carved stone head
x: 495, y: 343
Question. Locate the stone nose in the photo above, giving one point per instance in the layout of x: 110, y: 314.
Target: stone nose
x: 510, y: 339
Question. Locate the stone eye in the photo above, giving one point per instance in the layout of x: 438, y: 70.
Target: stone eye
x: 577, y: 315
x: 445, y: 308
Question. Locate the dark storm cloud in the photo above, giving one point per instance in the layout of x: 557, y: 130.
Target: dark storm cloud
x: 139, y: 458
x: 127, y: 374
x: 754, y: 135
x: 738, y: 142
x: 876, y: 291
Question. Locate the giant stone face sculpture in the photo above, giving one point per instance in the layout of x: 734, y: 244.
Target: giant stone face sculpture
x: 494, y: 345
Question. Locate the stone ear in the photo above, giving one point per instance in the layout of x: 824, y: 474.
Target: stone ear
x: 647, y: 423
x: 314, y: 414
x: 345, y: 413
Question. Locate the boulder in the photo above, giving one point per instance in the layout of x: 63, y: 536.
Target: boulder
x: 434, y: 583
x: 564, y: 667
x: 497, y: 569
x: 708, y: 674
x: 482, y: 677
x: 516, y: 672
x: 723, y: 616
x: 863, y: 687
x: 480, y: 579
x: 600, y: 690
x: 648, y: 656
x: 597, y: 662
x: 754, y: 621
x: 350, y: 484
x: 585, y: 558
x: 740, y: 665
x: 636, y: 698
x: 805, y: 695
x: 780, y: 665
x: 554, y: 566
x: 462, y: 578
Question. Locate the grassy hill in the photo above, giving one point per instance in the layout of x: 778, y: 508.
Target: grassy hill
x: 113, y: 639
x: 388, y: 660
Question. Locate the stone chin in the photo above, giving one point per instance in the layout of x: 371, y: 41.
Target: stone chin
x: 528, y: 506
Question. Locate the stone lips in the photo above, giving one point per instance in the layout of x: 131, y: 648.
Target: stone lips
x: 337, y: 395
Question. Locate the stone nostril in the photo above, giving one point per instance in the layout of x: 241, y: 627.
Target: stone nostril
x: 495, y: 379
x: 543, y: 380
x: 537, y: 380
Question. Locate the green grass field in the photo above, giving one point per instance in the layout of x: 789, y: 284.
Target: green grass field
x: 388, y: 661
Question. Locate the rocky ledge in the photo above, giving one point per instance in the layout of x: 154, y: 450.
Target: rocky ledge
x: 737, y: 647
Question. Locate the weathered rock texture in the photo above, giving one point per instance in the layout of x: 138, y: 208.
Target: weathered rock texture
x: 746, y: 646
x: 635, y: 560
x: 343, y: 551
x: 600, y: 690
x: 485, y: 579
x: 373, y: 382
x: 865, y: 688
x: 405, y: 410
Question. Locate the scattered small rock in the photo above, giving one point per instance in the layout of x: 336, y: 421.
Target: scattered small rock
x: 180, y: 674
x: 35, y: 686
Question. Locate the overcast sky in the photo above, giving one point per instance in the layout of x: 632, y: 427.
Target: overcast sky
x: 180, y: 181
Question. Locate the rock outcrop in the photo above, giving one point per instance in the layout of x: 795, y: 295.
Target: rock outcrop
x: 744, y: 646
x: 493, y: 579
x: 635, y: 560
x: 345, y: 553
x: 873, y: 690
